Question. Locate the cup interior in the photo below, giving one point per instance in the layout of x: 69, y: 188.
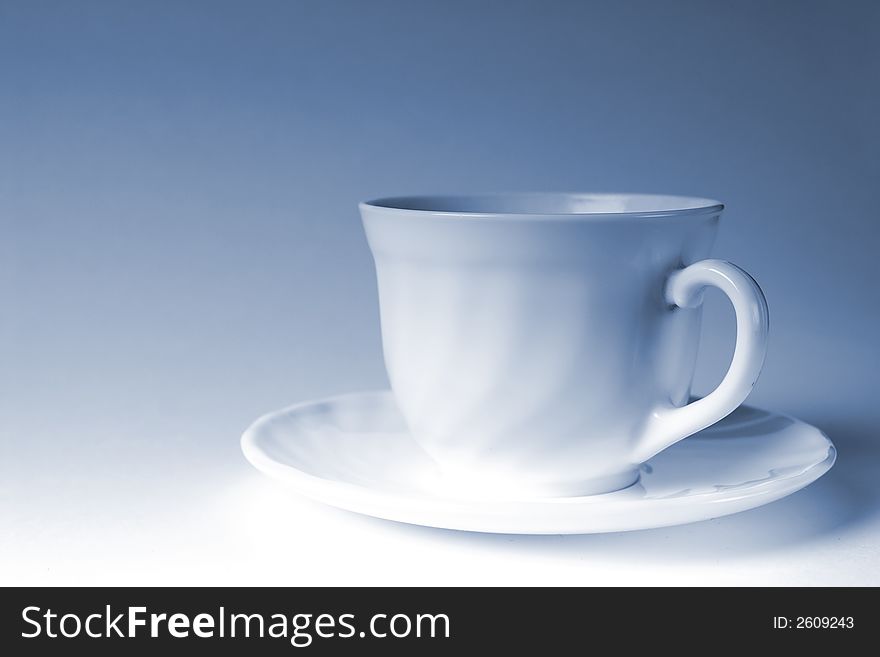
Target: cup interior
x: 550, y: 204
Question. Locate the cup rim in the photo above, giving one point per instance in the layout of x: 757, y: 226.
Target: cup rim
x: 642, y: 205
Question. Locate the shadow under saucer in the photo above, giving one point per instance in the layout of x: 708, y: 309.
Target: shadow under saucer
x: 846, y: 498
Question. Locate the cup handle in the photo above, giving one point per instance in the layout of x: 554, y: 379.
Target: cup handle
x: 668, y: 424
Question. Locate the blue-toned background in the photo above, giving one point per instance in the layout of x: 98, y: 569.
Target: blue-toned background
x: 180, y: 248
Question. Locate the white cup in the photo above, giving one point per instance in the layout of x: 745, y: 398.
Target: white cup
x: 545, y: 344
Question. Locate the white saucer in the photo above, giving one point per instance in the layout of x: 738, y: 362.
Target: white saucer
x: 354, y: 452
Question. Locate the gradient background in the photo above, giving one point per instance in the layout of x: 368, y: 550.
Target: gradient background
x: 181, y: 252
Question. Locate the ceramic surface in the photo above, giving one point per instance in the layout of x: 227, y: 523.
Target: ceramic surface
x: 545, y: 343
x: 355, y: 452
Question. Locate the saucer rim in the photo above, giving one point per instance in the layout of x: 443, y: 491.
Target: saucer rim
x: 305, y: 482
